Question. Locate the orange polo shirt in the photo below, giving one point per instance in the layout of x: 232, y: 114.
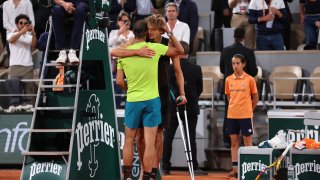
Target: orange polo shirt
x: 240, y: 90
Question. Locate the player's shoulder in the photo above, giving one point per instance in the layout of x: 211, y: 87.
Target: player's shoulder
x: 155, y: 46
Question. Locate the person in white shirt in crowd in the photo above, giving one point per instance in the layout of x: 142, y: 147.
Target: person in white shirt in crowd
x: 22, y: 40
x: 180, y: 29
x: 145, y: 8
x: 12, y: 8
x: 192, y: 19
x: 123, y: 34
x: 117, y: 6
x: 116, y: 38
x: 240, y: 20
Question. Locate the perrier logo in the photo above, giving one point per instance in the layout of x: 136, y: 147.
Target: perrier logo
x: 94, y: 34
x: 93, y: 133
x: 105, y: 2
x: 251, y: 166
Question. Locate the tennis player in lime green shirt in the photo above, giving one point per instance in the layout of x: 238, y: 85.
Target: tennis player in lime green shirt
x: 142, y: 72
x: 143, y: 103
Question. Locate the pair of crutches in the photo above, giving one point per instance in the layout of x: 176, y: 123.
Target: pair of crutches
x: 185, y: 136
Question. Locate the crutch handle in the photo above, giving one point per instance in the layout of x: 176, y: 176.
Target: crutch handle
x: 181, y: 100
x: 177, y: 101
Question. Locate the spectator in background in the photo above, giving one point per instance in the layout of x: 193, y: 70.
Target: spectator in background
x: 287, y: 25
x: 12, y: 8
x: 21, y: 41
x: 188, y: 13
x: 180, y: 29
x: 160, y: 5
x: 193, y: 79
x: 123, y: 34
x: 68, y: 8
x: 269, y: 18
x: 144, y: 9
x: 310, y: 18
x: 42, y: 12
x: 116, y: 7
x: 222, y: 18
x: 117, y: 38
x: 2, y: 29
x: 242, y: 94
x: 240, y: 19
x: 226, y: 68
x: 222, y: 15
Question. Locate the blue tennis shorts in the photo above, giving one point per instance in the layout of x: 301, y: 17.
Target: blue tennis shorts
x: 235, y: 125
x: 147, y: 113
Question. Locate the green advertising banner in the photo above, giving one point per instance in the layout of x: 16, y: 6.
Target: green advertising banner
x: 285, y: 120
x: 45, y: 168
x: 94, y: 140
x: 14, y: 130
x: 95, y: 153
x: 95, y: 147
x: 252, y: 160
x: 306, y: 164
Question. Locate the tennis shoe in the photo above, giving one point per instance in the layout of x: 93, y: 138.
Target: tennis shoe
x: 72, y: 56
x: 62, y: 57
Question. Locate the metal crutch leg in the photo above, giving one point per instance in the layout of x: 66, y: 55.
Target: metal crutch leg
x: 188, y: 138
x: 190, y: 165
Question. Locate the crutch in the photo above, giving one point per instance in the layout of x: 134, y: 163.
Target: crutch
x: 188, y: 137
x: 188, y: 153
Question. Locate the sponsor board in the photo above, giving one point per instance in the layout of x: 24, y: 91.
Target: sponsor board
x: 14, y: 130
x: 95, y: 149
x: 94, y: 34
x: 306, y: 164
x: 45, y: 168
x: 252, y: 160
x: 277, y: 124
x: 95, y: 153
x: 248, y: 167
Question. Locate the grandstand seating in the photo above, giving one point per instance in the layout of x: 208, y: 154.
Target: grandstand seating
x: 261, y: 84
x: 259, y: 74
x: 199, y: 43
x: 282, y: 88
x: 315, y: 83
x: 3, y: 72
x: 211, y: 83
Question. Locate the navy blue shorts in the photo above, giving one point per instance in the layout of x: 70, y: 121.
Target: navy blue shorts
x: 235, y: 125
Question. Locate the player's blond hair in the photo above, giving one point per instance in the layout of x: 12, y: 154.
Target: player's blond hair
x: 155, y: 20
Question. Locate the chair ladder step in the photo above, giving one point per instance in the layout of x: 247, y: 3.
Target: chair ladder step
x: 57, y: 64
x: 49, y: 130
x: 55, y: 50
x: 45, y: 153
x: 58, y: 86
x: 55, y: 108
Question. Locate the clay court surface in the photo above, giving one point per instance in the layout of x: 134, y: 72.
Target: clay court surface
x: 175, y: 175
